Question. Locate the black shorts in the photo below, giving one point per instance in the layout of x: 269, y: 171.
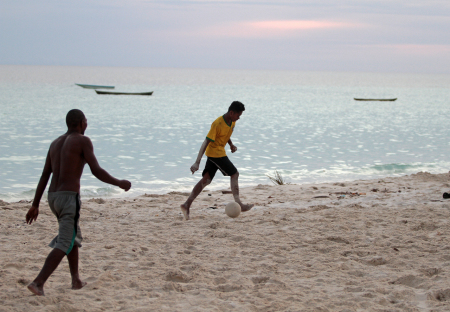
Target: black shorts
x: 222, y: 163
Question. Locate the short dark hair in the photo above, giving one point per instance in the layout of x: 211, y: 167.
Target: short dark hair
x: 236, y: 107
x: 74, y: 118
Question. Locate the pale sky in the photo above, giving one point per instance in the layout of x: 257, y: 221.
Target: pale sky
x: 411, y: 36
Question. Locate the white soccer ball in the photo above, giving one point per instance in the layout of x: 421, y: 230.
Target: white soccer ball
x: 233, y: 210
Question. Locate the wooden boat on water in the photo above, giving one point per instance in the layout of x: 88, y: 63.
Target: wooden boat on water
x: 124, y: 93
x: 86, y: 86
x: 383, y: 100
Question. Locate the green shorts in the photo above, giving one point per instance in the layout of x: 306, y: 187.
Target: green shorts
x: 66, y: 207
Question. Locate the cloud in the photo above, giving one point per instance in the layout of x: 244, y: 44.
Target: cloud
x: 291, y: 27
x: 268, y: 29
x: 295, y: 25
x: 384, y: 35
x: 414, y: 49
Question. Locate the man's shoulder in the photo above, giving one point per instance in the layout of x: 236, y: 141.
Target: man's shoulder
x: 58, y: 141
x: 219, y: 120
x: 82, y: 139
x: 71, y: 139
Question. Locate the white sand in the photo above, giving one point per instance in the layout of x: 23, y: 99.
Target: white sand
x: 302, y: 248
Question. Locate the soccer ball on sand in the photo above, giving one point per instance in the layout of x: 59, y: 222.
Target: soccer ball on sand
x: 233, y: 210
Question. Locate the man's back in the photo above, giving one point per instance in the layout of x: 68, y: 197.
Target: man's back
x: 218, y: 135
x: 67, y: 162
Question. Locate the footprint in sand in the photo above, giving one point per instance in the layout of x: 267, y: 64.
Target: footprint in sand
x: 177, y: 277
x: 13, y: 266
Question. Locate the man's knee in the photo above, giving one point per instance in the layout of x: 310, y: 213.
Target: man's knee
x: 236, y: 175
x: 206, y: 180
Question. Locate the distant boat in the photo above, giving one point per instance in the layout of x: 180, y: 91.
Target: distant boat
x: 124, y: 93
x: 383, y: 100
x: 86, y: 86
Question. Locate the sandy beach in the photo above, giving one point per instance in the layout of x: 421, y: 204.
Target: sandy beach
x: 367, y: 245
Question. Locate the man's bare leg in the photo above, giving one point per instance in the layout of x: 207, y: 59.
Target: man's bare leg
x: 51, y: 263
x: 72, y: 257
x: 235, y: 190
x: 198, y: 188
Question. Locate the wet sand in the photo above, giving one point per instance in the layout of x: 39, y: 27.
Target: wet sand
x: 375, y: 245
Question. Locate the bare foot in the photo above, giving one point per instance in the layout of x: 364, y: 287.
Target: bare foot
x: 245, y: 208
x: 35, y: 289
x: 78, y: 284
x: 185, y: 211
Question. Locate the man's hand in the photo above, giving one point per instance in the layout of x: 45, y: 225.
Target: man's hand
x: 195, y: 167
x: 233, y: 148
x: 125, y: 185
x: 32, y: 214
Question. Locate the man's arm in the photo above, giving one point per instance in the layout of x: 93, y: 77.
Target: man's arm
x: 33, y: 212
x: 196, y: 165
x: 232, y: 146
x: 99, y: 172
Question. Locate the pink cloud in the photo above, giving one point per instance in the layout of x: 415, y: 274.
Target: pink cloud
x: 274, y: 28
x: 295, y: 25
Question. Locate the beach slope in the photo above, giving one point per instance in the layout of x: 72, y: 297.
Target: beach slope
x: 376, y: 245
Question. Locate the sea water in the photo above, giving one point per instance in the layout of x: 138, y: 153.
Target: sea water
x: 304, y: 125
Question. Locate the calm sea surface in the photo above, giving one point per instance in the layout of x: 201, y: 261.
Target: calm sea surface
x: 306, y: 125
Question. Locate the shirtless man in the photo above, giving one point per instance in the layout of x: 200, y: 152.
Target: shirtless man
x: 65, y: 160
x: 214, y: 146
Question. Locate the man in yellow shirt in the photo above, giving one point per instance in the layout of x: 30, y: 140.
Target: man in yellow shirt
x: 214, y: 148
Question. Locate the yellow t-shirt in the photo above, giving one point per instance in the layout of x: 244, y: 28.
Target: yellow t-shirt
x: 218, y: 135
